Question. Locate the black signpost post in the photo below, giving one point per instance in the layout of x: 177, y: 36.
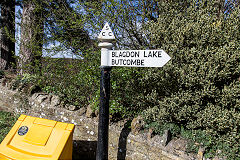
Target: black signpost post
x: 106, y: 37
x: 102, y: 147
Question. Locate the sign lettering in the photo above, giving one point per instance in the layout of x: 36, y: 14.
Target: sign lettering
x: 137, y: 58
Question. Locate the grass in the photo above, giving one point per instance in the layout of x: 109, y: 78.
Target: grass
x: 7, y: 120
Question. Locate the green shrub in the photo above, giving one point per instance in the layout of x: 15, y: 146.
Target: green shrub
x: 6, y: 122
x: 200, y: 88
x: 74, y: 80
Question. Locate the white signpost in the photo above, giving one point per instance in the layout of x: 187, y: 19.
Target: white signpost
x: 125, y: 58
x: 136, y: 58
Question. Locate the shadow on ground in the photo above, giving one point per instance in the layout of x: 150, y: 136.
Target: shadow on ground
x: 86, y: 150
x: 122, y: 141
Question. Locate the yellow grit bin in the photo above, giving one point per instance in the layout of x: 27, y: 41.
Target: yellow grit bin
x: 34, y: 138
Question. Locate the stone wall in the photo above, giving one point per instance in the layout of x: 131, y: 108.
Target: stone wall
x: 123, y: 143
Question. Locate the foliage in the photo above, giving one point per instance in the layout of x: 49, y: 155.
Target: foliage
x: 74, y: 80
x: 63, y: 24
x: 200, y: 87
x: 1, y: 74
x: 7, y: 34
x: 6, y: 122
x: 27, y: 78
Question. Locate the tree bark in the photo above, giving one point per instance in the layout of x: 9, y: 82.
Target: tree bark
x: 31, y: 39
x: 7, y: 34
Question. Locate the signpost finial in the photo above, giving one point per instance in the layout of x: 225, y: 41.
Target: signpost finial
x: 106, y: 33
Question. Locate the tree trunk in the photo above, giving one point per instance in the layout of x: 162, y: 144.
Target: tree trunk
x: 31, y: 39
x: 7, y: 34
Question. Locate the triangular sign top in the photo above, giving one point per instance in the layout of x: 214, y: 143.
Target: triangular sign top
x: 106, y: 33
